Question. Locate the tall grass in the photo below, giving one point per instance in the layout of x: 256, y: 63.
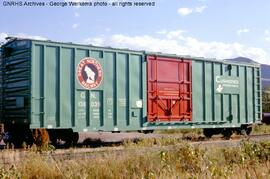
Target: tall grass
x: 250, y: 160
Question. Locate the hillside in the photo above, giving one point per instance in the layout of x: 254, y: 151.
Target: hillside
x: 265, y: 70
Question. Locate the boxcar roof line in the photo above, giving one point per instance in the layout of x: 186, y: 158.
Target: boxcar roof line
x: 108, y: 48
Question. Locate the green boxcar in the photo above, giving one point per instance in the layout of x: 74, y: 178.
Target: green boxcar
x: 47, y: 85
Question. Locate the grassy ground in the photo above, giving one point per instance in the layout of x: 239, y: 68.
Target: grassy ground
x: 179, y: 131
x: 250, y: 160
x: 261, y: 129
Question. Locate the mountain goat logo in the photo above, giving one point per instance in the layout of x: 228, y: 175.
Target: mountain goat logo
x: 89, y: 73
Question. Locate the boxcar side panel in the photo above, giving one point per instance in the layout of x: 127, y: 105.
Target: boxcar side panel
x: 225, y: 94
x: 60, y: 100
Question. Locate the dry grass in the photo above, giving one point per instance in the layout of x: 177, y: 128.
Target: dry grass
x: 148, y: 142
x: 250, y: 160
x: 261, y: 129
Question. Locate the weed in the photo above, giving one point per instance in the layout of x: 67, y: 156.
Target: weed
x: 11, y: 172
x: 249, y: 160
x: 261, y: 129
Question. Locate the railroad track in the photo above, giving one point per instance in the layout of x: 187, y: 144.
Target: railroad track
x: 10, y: 156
